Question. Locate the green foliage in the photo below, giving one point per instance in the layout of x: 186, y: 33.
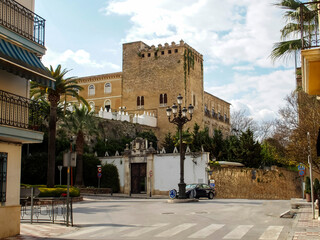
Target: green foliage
x: 308, y: 185
x: 168, y: 143
x: 316, y: 187
x: 34, y: 168
x: 90, y: 163
x: 250, y: 150
x: 218, y: 145
x: 58, y: 191
x: 110, y: 177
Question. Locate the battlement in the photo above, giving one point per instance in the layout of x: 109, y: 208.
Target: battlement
x: 96, y: 78
x: 166, y: 49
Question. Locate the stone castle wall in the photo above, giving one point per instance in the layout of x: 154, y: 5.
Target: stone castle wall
x: 273, y: 184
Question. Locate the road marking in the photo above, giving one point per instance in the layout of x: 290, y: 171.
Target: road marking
x: 272, y: 233
x: 173, y: 231
x: 238, y: 232
x: 110, y: 231
x: 205, y: 232
x: 83, y: 231
x: 145, y: 230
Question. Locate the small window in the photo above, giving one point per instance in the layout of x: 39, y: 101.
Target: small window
x: 149, y: 54
x: 169, y: 51
x: 162, y: 52
x: 176, y: 50
x: 107, y: 88
x: 140, y: 101
x: 3, y: 176
x: 142, y: 55
x: 91, y: 90
x: 163, y: 99
x: 194, y: 100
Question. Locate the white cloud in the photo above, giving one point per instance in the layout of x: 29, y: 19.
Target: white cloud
x: 260, y: 95
x: 79, y: 57
x: 243, y: 68
x: 227, y: 32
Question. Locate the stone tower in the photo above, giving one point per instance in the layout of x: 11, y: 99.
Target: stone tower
x: 153, y: 77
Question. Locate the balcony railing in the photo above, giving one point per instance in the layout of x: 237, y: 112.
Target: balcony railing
x: 20, y: 112
x: 215, y: 115
x: 309, y: 24
x: 22, y: 21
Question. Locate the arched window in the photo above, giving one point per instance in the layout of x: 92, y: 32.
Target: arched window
x: 92, y: 90
x: 163, y: 99
x: 92, y: 106
x: 140, y: 101
x: 107, y: 104
x: 107, y: 88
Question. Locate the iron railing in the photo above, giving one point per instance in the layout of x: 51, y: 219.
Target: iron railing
x: 22, y: 21
x: 218, y: 116
x: 20, y: 112
x: 309, y: 24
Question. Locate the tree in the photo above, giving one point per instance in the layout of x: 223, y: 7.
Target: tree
x: 240, y: 122
x: 168, y: 143
x: 300, y: 116
x: 290, y: 33
x: 63, y: 86
x: 250, y: 150
x: 81, y: 123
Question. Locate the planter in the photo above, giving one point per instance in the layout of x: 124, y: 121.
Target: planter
x: 308, y: 197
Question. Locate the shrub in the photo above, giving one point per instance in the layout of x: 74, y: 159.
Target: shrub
x: 90, y: 163
x: 110, y: 177
x: 308, y: 186
x: 58, y: 191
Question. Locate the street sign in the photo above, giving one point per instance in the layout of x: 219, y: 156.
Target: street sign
x: 173, y: 194
x: 72, y: 157
x: 99, y: 169
x: 150, y: 173
x: 99, y: 175
x: 302, y: 173
x: 301, y: 167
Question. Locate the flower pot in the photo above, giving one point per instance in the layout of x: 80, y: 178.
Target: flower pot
x: 308, y: 197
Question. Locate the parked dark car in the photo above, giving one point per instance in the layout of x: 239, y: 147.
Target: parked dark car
x: 198, y: 190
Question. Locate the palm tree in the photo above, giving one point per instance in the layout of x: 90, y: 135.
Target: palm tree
x: 81, y: 122
x: 291, y: 32
x: 63, y: 86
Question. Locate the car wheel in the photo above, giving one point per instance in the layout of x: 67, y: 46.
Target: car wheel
x: 211, y: 195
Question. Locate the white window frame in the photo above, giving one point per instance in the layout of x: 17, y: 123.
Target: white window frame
x: 93, y: 90
x: 107, y: 89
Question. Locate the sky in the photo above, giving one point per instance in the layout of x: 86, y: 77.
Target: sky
x: 234, y: 36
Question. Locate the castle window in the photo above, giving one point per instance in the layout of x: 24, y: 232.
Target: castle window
x: 3, y: 176
x: 162, y: 52
x: 142, y: 55
x: 107, y: 104
x: 91, y: 90
x: 169, y: 51
x: 92, y: 105
x: 107, y: 88
x: 140, y: 101
x: 163, y: 100
x: 194, y: 100
x: 149, y: 54
x: 176, y: 51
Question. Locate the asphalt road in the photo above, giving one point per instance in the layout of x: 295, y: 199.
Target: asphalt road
x: 156, y: 219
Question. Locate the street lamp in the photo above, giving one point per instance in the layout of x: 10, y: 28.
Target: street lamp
x: 179, y: 119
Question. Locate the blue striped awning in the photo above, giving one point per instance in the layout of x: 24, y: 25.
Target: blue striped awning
x: 21, y: 62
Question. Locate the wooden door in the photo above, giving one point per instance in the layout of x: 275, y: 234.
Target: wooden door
x: 138, y: 177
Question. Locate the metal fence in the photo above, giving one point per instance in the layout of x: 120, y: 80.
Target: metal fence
x: 309, y: 24
x: 23, y: 21
x: 53, y: 210
x: 20, y: 112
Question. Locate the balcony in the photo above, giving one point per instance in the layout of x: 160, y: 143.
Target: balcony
x: 21, y: 115
x: 310, y: 47
x: 22, y: 21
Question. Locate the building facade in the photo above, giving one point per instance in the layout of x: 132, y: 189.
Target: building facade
x: 150, y: 81
x: 21, y: 47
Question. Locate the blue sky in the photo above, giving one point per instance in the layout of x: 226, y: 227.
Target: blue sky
x: 234, y: 36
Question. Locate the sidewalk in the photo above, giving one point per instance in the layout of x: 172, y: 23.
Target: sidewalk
x: 304, y: 227
x: 122, y: 195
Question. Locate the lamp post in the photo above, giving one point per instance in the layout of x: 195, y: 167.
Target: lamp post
x: 179, y: 119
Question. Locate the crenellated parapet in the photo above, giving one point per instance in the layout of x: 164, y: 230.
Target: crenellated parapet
x: 167, y: 50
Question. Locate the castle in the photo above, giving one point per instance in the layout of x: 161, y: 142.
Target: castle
x: 150, y: 81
